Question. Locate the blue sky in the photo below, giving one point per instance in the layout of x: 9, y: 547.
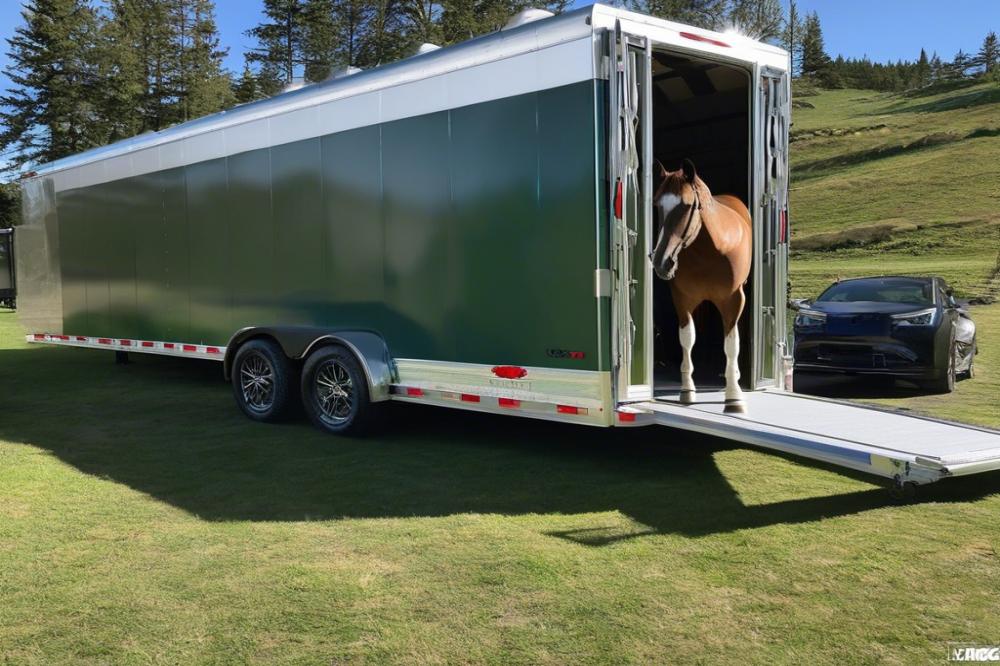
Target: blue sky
x: 881, y: 29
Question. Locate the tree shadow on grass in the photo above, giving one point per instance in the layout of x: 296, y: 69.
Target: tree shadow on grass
x: 169, y: 428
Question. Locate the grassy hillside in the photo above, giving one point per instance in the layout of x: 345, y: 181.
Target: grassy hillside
x: 903, y: 184
x: 913, y: 180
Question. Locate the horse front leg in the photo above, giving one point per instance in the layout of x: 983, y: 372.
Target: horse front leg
x: 730, y: 318
x: 687, y: 337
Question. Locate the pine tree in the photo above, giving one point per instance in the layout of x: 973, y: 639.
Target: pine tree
x: 791, y: 38
x: 759, y: 19
x: 279, y: 43
x: 959, y: 67
x: 989, y: 53
x: 815, y: 61
x: 710, y: 14
x: 351, y: 20
x: 922, y: 70
x: 48, y: 111
x: 201, y: 86
x: 245, y: 88
x: 319, y: 39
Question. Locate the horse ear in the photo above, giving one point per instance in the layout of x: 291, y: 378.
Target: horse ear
x: 661, y: 171
x: 687, y: 166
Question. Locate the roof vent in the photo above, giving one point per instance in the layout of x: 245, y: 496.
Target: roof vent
x: 529, y: 15
x: 426, y: 47
x: 344, y: 71
x: 294, y: 85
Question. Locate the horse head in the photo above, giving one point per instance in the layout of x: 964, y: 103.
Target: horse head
x: 678, y: 199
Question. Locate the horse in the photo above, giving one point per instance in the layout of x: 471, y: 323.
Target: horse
x: 713, y: 236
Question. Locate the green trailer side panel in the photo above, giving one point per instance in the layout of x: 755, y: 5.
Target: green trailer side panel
x: 96, y: 250
x: 469, y: 235
x: 176, y: 315
x: 120, y: 257
x: 297, y: 196
x: 251, y: 240
x: 73, y: 261
x: 150, y: 232
x: 565, y: 244
x: 208, y: 244
x: 352, y: 212
x: 416, y: 205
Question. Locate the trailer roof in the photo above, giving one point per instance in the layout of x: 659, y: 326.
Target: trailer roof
x: 504, y: 44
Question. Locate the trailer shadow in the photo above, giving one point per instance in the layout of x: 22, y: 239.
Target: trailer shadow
x: 168, y: 428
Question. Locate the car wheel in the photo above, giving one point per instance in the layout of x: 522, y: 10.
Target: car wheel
x: 263, y: 381
x: 946, y: 382
x: 335, y: 393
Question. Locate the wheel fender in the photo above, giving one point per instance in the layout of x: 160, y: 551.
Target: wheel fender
x: 299, y: 341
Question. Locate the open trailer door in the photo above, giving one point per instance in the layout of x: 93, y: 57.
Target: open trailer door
x: 630, y: 169
x: 771, y: 236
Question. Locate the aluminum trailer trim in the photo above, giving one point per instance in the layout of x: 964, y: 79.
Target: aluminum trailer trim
x: 872, y: 440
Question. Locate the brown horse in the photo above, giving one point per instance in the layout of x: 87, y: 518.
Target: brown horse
x: 712, y: 234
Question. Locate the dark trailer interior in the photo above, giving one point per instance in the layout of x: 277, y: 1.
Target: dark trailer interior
x: 701, y: 111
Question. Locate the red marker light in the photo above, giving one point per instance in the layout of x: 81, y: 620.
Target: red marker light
x: 508, y: 402
x: 468, y: 397
x: 701, y: 38
x: 509, y: 371
x: 619, y: 196
x: 415, y: 392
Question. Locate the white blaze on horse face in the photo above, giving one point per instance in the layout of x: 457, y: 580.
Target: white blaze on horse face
x: 667, y: 203
x: 732, y: 347
x: 686, y: 334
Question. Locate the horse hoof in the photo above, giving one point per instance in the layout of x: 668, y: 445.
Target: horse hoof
x: 688, y: 397
x: 735, y: 407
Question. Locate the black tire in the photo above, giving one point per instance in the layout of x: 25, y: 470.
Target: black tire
x: 945, y: 383
x: 335, y: 393
x: 263, y: 380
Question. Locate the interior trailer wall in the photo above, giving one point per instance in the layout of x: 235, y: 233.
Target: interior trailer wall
x: 701, y: 111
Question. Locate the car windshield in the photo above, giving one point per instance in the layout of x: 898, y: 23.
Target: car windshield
x: 914, y: 292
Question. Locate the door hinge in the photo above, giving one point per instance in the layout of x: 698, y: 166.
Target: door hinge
x: 602, y: 283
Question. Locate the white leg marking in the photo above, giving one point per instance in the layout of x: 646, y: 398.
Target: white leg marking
x: 733, y: 391
x: 687, y: 337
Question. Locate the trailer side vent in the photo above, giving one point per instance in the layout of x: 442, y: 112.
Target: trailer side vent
x: 525, y: 16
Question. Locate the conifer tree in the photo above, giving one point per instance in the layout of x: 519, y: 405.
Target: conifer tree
x: 989, y: 53
x: 48, y: 111
x: 815, y: 61
x: 200, y: 85
x: 279, y: 43
x: 709, y: 14
x: 319, y: 39
x: 759, y: 19
x: 245, y: 88
x: 791, y: 38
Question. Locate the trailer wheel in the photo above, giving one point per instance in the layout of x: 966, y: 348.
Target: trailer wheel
x: 335, y: 392
x: 263, y: 381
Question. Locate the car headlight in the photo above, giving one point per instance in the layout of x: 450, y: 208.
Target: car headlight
x: 921, y: 318
x: 810, y: 318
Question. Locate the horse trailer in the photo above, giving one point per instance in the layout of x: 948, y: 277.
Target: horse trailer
x: 469, y: 227
x: 8, y: 285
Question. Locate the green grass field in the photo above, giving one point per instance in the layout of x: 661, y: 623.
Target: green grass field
x: 144, y: 520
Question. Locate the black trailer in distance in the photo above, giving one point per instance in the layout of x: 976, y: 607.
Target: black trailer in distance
x: 8, y: 284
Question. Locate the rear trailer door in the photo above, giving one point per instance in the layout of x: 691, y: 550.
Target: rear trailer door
x: 630, y: 169
x: 771, y: 232
x: 897, y: 446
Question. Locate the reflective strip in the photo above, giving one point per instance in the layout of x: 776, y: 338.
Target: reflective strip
x: 144, y: 346
x: 509, y: 403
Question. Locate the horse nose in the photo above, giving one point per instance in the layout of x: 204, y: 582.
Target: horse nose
x: 666, y: 270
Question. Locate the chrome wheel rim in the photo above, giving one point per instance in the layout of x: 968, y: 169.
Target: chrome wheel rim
x: 334, y: 393
x: 257, y: 382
